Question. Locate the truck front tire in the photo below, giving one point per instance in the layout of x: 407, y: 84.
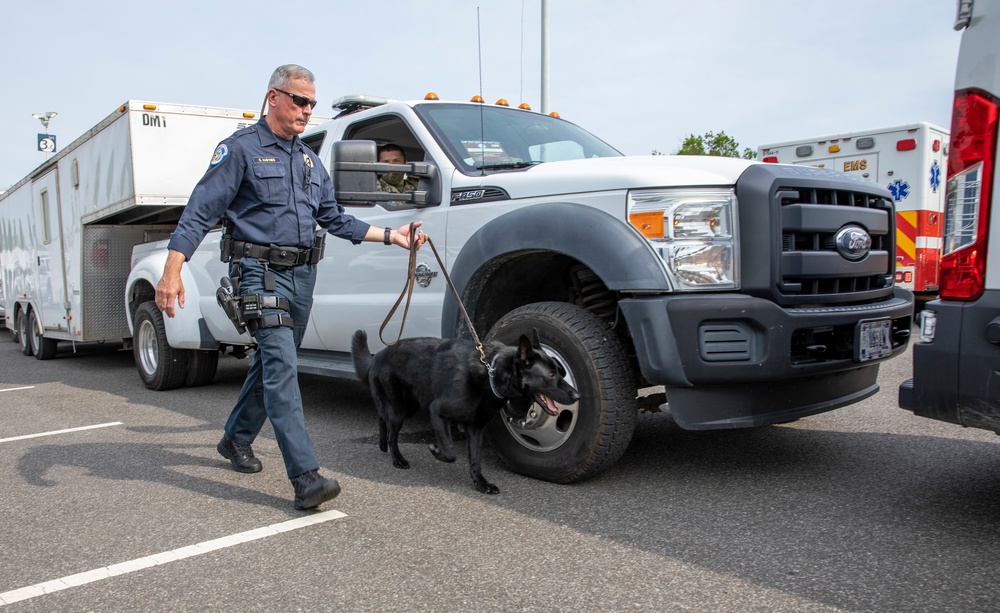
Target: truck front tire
x: 591, y: 435
x: 161, y: 367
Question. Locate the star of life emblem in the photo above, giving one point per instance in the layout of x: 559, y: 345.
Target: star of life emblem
x: 900, y: 189
x: 935, y: 176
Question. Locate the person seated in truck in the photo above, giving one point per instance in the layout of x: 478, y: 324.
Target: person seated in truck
x: 394, y: 182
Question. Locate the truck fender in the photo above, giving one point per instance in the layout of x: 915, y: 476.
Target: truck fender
x: 613, y: 249
x: 186, y: 329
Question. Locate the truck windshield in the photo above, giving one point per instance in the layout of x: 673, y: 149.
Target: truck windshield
x: 496, y: 138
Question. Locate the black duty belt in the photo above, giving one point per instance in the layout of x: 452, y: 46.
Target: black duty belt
x: 276, y: 255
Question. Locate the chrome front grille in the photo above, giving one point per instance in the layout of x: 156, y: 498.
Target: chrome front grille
x: 810, y: 266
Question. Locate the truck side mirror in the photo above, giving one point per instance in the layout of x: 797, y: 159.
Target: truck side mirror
x: 354, y: 169
x: 350, y: 179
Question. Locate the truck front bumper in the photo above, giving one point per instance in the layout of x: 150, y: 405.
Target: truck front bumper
x: 734, y: 361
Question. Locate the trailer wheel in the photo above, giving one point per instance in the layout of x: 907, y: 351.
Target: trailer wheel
x: 589, y: 436
x: 14, y: 336
x: 201, y: 368
x: 21, y: 324
x: 43, y: 348
x: 161, y: 367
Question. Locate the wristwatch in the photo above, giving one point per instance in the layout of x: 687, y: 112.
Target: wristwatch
x: 388, y: 233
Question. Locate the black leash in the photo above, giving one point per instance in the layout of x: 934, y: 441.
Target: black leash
x: 411, y: 277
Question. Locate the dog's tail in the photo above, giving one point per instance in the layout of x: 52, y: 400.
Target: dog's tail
x: 362, y: 355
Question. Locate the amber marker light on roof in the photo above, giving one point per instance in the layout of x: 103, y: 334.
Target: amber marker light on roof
x: 149, y: 107
x: 554, y: 114
x: 431, y: 96
x: 524, y: 106
x: 477, y: 98
x: 249, y: 115
x: 502, y: 102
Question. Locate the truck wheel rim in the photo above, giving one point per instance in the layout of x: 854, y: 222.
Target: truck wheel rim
x: 540, y: 431
x: 148, y: 347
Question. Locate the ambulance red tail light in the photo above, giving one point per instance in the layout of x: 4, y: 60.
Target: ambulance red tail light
x: 970, y: 182
x: 771, y: 159
x: 907, y: 144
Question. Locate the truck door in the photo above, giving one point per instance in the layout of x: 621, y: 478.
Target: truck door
x: 357, y: 284
x: 49, y: 253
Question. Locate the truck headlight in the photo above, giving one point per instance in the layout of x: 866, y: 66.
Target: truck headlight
x: 693, y: 231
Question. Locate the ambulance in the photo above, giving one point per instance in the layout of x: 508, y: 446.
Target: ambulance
x: 910, y: 161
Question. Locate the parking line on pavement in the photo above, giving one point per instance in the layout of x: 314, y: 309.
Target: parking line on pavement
x: 22, y: 437
x: 14, y: 389
x: 122, y: 568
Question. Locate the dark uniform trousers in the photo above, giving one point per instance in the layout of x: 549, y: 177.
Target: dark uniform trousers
x: 271, y: 389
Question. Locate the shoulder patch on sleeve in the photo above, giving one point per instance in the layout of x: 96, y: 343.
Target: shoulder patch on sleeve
x: 220, y: 154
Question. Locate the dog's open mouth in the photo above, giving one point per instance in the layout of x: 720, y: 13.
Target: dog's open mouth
x: 547, y: 404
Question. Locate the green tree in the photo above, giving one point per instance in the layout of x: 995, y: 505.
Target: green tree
x: 710, y: 143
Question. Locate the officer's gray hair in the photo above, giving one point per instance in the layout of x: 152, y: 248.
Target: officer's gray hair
x: 282, y: 76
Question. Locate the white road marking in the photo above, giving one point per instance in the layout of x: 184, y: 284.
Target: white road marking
x: 20, y: 438
x: 122, y: 568
x: 14, y: 389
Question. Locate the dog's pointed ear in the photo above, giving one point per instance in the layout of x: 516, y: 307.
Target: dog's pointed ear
x: 524, y: 350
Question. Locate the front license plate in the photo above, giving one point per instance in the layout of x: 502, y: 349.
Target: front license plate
x: 872, y: 341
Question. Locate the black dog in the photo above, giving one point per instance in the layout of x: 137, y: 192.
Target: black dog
x: 449, y: 379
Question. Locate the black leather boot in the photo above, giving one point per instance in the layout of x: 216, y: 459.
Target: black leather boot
x: 240, y: 455
x: 312, y: 489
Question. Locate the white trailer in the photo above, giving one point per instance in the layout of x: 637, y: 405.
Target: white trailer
x: 911, y: 161
x: 68, y: 228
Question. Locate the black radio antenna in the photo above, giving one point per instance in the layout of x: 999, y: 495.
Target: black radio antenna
x: 482, y: 125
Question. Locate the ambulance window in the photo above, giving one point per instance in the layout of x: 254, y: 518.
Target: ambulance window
x: 46, y: 225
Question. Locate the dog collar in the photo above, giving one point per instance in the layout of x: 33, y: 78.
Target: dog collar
x: 490, y: 369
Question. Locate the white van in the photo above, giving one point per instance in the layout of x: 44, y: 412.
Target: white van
x: 956, y: 363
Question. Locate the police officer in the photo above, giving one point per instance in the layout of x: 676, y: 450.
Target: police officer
x: 273, y: 192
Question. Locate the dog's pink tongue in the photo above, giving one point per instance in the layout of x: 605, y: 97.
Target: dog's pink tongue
x: 547, y: 404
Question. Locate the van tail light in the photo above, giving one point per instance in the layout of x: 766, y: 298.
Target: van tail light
x: 971, y: 166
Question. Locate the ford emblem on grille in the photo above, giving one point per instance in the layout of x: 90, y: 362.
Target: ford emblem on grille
x: 853, y: 242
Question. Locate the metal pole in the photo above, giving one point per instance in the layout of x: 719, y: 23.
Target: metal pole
x: 545, y: 56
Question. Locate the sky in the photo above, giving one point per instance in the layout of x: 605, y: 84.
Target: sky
x: 640, y: 74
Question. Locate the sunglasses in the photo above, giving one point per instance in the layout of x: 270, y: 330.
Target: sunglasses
x: 300, y: 101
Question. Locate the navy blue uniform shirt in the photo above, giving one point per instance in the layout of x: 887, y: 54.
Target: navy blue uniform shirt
x: 273, y: 190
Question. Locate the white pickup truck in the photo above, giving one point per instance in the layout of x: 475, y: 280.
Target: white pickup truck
x: 755, y: 293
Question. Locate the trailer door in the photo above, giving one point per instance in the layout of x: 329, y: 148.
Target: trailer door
x: 52, y: 302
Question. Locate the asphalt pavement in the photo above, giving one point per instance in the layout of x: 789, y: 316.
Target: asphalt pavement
x: 113, y: 498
